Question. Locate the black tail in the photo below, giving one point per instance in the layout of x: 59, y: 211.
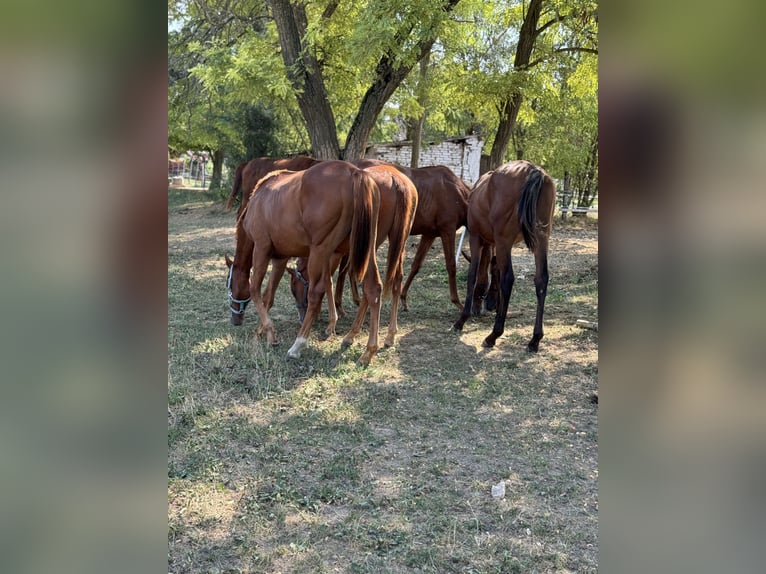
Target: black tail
x: 528, y: 207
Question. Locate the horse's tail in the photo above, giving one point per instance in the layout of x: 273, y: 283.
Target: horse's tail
x: 236, y: 186
x: 364, y: 225
x: 400, y: 230
x: 530, y: 193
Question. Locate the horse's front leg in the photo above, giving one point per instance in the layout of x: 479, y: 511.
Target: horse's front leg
x: 260, y: 264
x: 316, y: 269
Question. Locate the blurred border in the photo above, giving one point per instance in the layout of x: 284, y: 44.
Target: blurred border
x: 682, y: 139
x: 84, y: 285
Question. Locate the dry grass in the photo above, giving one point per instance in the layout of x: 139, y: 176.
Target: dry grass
x: 322, y: 466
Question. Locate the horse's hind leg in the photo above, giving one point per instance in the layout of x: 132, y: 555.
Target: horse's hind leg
x: 332, y: 314
x: 343, y: 271
x: 396, y: 291
x: 505, y: 273
x: 480, y: 292
x: 477, y: 250
x: 448, y: 245
x: 372, y: 289
x: 425, y: 244
x: 541, y: 290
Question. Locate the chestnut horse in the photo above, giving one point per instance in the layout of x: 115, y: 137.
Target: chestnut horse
x: 514, y: 203
x: 442, y: 210
x: 329, y: 208
x: 398, y: 203
x: 250, y: 172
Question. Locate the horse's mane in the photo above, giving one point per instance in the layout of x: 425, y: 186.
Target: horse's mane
x: 260, y: 182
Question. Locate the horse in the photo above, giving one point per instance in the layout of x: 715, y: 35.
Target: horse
x: 511, y: 204
x: 398, y: 204
x: 250, y: 172
x: 329, y: 208
x: 442, y: 210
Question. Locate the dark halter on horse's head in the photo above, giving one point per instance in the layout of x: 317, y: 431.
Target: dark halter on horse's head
x: 242, y: 302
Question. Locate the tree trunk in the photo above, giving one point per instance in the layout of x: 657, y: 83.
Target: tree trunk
x: 510, y: 107
x: 217, y: 176
x: 389, y: 73
x: 422, y: 94
x: 306, y: 78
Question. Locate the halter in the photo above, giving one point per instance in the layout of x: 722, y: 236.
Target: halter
x: 242, y: 302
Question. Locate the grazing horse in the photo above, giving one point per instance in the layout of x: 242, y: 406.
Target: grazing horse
x: 442, y: 210
x: 398, y: 203
x: 327, y: 209
x: 514, y: 203
x: 249, y: 173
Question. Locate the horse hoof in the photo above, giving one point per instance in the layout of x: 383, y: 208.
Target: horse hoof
x: 388, y: 344
x: 456, y: 328
x: 488, y: 343
x: 532, y: 348
x: 344, y: 344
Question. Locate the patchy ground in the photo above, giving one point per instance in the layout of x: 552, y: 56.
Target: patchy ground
x: 322, y: 466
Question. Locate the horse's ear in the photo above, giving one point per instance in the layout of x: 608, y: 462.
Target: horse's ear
x: 291, y: 271
x: 229, y: 262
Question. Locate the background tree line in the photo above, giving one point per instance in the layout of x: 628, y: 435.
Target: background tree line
x: 326, y: 77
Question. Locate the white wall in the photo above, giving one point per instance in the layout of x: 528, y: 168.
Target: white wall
x: 461, y: 155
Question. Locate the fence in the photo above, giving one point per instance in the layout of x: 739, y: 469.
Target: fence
x: 191, y: 170
x: 564, y: 204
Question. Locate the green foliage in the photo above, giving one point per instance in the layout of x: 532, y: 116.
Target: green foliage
x: 230, y: 55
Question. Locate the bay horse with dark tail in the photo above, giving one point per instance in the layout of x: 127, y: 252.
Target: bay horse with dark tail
x: 511, y: 204
x: 331, y: 208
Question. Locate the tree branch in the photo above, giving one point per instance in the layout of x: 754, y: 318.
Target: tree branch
x: 577, y: 49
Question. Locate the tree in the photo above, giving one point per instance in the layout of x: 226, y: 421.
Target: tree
x: 531, y: 35
x: 415, y: 26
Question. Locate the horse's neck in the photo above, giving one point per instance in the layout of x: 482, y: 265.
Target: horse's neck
x: 244, y: 253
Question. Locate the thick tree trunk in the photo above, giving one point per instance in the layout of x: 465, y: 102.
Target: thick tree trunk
x: 389, y: 73
x: 510, y: 107
x: 215, y: 179
x: 422, y: 94
x: 306, y: 78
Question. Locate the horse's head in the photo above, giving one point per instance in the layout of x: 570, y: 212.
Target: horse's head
x: 238, y: 287
x: 299, y: 285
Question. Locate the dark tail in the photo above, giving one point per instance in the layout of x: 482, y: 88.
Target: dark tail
x: 236, y: 186
x: 528, y: 207
x: 400, y: 230
x: 364, y: 225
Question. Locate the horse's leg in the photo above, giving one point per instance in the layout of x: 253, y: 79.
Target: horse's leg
x: 493, y: 293
x: 260, y: 264
x: 480, y: 291
x: 332, y: 314
x: 316, y: 268
x: 425, y: 244
x: 448, y: 245
x: 355, y: 292
x: 505, y: 273
x: 477, y: 250
x: 396, y: 291
x: 372, y: 289
x: 277, y: 270
x: 541, y: 290
x: 341, y: 284
x: 356, y: 326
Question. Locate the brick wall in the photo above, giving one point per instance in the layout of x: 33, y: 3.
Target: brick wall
x: 461, y: 155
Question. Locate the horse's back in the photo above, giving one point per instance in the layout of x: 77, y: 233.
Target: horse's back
x: 495, y: 200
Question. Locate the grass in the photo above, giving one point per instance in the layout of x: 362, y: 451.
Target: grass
x: 319, y: 465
